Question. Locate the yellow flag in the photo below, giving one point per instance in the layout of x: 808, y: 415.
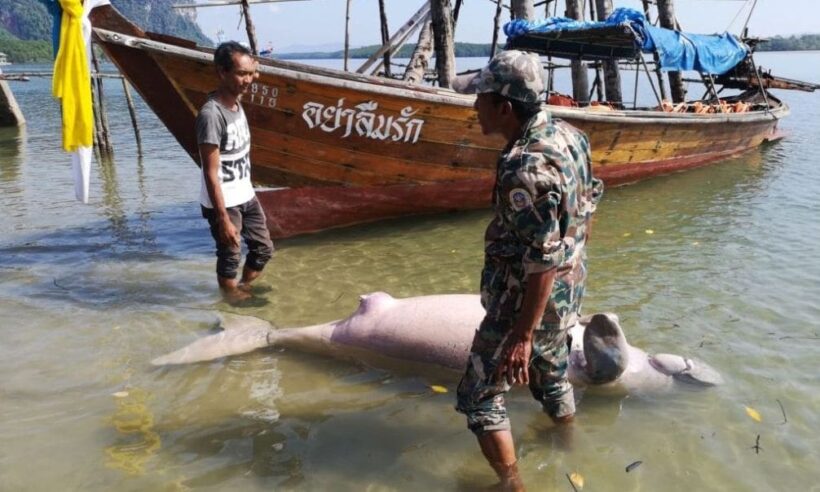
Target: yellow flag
x: 72, y: 81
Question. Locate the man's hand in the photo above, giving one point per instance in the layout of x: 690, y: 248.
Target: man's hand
x: 228, y: 234
x: 515, y: 364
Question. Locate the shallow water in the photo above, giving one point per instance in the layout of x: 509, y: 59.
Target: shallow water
x: 90, y: 293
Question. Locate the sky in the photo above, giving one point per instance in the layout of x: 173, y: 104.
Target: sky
x: 317, y: 25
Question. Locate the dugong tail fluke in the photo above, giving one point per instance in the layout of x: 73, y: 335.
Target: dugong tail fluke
x: 240, y: 334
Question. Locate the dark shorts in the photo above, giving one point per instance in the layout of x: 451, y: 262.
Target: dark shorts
x: 249, y: 219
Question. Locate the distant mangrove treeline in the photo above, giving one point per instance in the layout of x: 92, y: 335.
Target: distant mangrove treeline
x: 461, y: 49
x: 803, y: 42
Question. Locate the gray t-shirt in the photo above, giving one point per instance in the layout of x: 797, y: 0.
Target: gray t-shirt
x: 218, y: 125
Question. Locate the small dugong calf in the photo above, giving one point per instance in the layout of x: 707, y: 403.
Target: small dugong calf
x: 439, y: 330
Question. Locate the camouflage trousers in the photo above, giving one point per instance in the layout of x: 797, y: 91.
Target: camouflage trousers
x: 480, y: 394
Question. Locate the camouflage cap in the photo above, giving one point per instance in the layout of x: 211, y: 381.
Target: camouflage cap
x: 513, y: 74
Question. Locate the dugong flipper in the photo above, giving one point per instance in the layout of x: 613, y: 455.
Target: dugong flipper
x: 686, y: 370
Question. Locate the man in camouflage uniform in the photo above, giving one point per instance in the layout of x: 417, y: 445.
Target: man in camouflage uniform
x: 534, y: 265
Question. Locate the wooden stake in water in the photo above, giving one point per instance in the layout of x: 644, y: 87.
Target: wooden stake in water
x: 105, y: 144
x: 133, y: 113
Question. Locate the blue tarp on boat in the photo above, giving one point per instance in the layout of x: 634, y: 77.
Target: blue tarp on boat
x: 712, y: 54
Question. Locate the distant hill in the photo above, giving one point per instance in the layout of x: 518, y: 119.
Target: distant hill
x: 25, y: 25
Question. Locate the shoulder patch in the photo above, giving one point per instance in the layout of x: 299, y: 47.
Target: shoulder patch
x: 520, y: 199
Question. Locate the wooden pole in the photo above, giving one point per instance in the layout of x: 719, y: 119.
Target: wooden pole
x: 98, y: 138
x: 658, y: 71
x: 443, y: 38
x: 580, y: 78
x: 133, y: 113
x: 612, y: 75
x: 400, y: 36
x: 106, y: 133
x: 456, y: 11
x: 385, y: 37
x: 522, y: 9
x: 246, y: 12
x: 420, y: 59
x: 10, y: 114
x: 598, y: 83
x: 666, y: 16
x: 496, y: 23
x: 347, y: 34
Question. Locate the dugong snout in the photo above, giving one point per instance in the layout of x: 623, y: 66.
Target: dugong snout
x: 605, y: 349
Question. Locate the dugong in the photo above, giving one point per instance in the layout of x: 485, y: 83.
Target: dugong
x: 438, y: 330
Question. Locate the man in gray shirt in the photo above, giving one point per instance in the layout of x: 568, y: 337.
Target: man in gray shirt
x: 227, y: 197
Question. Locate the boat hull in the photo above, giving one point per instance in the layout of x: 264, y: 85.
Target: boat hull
x: 350, y: 148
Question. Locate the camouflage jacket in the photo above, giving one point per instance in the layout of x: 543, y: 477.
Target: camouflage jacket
x: 544, y: 198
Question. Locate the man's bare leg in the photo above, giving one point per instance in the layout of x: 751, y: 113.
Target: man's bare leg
x: 230, y: 289
x: 499, y: 449
x: 248, y: 276
x: 565, y: 431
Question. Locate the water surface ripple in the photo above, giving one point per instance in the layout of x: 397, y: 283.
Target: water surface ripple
x: 719, y: 263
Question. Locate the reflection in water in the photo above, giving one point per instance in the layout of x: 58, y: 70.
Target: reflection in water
x: 137, y: 442
x: 111, y: 195
x: 12, y: 153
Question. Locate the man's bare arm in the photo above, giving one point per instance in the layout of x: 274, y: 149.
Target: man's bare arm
x: 515, y: 364
x: 209, y: 156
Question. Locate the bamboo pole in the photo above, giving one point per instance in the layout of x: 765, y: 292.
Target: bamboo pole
x: 246, y: 13
x: 666, y: 16
x: 580, y: 77
x: 347, y: 34
x: 385, y: 37
x: 133, y: 113
x: 443, y: 39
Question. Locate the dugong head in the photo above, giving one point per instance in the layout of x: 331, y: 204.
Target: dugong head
x: 605, y: 349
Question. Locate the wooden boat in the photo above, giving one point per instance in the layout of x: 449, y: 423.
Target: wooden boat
x: 342, y: 148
